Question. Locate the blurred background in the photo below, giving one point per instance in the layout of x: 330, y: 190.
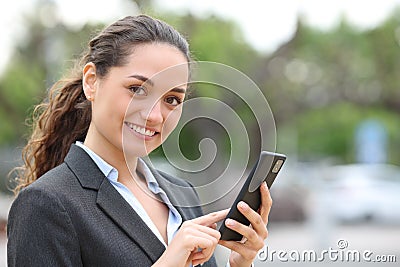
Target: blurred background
x: 329, y: 70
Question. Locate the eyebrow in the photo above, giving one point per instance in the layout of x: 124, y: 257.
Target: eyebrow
x: 178, y: 90
x: 147, y: 80
x: 142, y: 78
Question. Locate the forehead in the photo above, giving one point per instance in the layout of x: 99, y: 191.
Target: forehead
x: 155, y: 58
x: 160, y: 62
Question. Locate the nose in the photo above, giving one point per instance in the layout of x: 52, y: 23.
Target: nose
x: 154, y: 115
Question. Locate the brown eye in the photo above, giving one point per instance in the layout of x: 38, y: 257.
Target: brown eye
x: 173, y: 100
x: 138, y: 90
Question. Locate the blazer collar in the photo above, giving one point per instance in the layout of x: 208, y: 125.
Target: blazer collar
x: 181, y: 196
x: 112, y: 203
x: 84, y: 168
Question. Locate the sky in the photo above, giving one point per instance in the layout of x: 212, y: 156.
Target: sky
x: 265, y: 24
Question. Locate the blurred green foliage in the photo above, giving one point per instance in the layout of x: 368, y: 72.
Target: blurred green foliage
x: 320, y: 85
x: 329, y: 82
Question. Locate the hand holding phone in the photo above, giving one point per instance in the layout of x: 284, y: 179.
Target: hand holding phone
x: 266, y: 169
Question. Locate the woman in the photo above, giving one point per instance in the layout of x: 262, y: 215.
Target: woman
x: 85, y: 196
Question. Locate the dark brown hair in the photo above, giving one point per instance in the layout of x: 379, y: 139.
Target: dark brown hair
x: 64, y: 116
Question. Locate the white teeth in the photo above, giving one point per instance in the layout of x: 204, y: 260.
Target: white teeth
x: 140, y: 130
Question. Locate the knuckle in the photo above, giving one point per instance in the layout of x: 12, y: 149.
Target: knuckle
x: 258, y: 220
x: 235, y: 246
x: 252, y: 235
x: 187, y: 231
x: 184, y: 227
x: 270, y: 201
x: 210, y: 243
x: 185, y: 224
x: 265, y: 234
x: 214, y: 214
x: 186, y: 239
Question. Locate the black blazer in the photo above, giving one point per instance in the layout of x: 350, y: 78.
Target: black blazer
x: 73, y: 216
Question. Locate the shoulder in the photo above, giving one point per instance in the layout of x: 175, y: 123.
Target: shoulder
x: 46, y: 189
x: 38, y: 215
x: 38, y: 203
x: 54, y: 183
x: 51, y: 192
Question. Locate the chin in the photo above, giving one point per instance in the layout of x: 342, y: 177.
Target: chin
x: 137, y: 150
x: 139, y: 147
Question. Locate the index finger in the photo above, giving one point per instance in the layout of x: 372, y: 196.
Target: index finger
x: 211, y: 218
x: 266, y: 202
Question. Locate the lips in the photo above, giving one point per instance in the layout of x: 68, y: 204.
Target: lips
x: 141, y: 130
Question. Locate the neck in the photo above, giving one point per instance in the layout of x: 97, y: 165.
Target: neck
x: 113, y: 155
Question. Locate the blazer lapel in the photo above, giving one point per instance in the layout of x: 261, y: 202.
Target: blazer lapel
x: 112, y: 203
x: 180, y: 196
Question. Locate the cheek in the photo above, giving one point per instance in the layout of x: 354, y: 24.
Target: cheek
x: 123, y: 106
x: 116, y: 107
x: 172, y: 119
x: 109, y: 112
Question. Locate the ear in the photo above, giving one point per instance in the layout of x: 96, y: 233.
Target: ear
x: 89, y: 80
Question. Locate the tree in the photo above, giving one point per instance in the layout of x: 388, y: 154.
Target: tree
x: 36, y: 64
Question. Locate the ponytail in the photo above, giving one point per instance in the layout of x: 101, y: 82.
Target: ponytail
x: 56, y: 123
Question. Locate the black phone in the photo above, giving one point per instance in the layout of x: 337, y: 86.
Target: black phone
x: 266, y: 169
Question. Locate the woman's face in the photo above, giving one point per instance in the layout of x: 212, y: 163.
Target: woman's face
x: 136, y: 106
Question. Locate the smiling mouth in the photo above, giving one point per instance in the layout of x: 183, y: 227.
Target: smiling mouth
x: 141, y: 130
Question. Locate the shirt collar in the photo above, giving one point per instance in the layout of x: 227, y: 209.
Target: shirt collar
x: 148, y: 175
x: 104, y: 167
x: 112, y: 174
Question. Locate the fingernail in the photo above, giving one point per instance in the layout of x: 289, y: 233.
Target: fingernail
x: 243, y: 205
x: 229, y: 222
x: 265, y: 184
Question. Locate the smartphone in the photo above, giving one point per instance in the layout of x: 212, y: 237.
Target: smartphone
x: 266, y: 169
